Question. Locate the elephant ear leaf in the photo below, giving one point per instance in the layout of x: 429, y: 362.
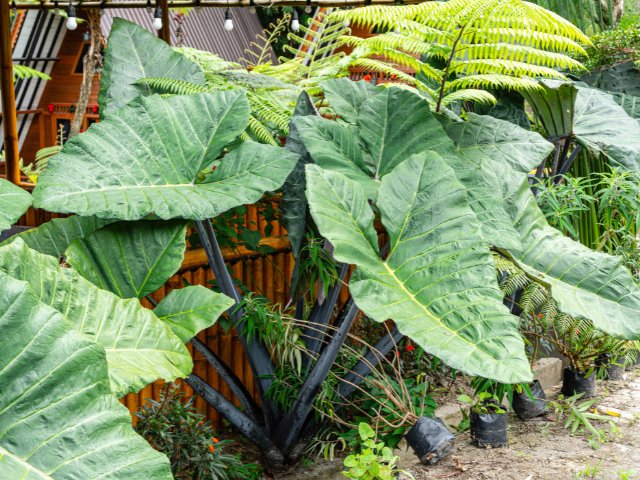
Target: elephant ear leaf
x: 346, y: 96
x: 140, y: 348
x: 584, y: 283
x: 438, y: 281
x: 604, y: 127
x: 134, y: 53
x: 396, y: 124
x: 189, y: 310
x: 130, y: 259
x: 58, y: 418
x: 53, y: 237
x: 148, y: 159
x: 485, y: 147
x: 14, y: 201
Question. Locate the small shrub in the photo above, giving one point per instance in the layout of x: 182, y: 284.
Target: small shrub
x: 614, y: 46
x: 374, y: 461
x: 174, y: 427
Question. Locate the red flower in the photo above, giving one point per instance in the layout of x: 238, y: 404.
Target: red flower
x: 409, y: 348
x: 94, y: 109
x: 215, y: 440
x: 367, y: 78
x: 212, y: 448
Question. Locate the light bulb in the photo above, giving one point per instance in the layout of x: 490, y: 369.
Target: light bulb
x: 56, y: 9
x: 14, y: 8
x: 228, y: 20
x: 149, y: 7
x: 308, y: 8
x: 72, y: 23
x: 157, y: 18
x: 295, y: 23
x: 252, y: 10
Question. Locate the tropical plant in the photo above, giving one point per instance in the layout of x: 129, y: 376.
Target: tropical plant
x: 589, y: 15
x: 461, y: 48
x: 483, y: 404
x: 172, y: 426
x: 375, y: 461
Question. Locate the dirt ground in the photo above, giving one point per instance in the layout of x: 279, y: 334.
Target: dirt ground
x: 542, y: 449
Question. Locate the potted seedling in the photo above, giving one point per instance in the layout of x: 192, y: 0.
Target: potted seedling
x: 488, y: 420
x: 529, y: 401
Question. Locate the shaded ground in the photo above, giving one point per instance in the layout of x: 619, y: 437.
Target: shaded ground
x: 543, y: 449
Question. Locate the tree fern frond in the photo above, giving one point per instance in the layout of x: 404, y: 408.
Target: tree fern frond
x: 493, y: 81
x: 503, y: 67
x: 22, y: 72
x: 172, y: 86
x: 258, y: 131
x: 470, y: 95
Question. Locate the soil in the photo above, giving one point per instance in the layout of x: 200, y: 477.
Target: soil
x: 542, y: 449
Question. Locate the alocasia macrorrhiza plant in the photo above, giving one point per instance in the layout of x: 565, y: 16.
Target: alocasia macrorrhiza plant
x: 445, y: 194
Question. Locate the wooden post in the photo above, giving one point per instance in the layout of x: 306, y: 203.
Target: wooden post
x: 165, y: 31
x: 9, y: 116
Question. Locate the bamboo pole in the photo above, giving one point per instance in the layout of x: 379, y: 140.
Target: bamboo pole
x: 9, y: 117
x: 165, y: 32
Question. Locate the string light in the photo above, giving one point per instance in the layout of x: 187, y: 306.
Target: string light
x: 228, y: 20
x: 157, y: 17
x: 14, y: 8
x: 308, y: 8
x: 56, y: 9
x: 149, y: 7
x: 295, y: 21
x: 72, y: 21
x: 103, y: 4
x: 252, y: 7
x: 198, y: 6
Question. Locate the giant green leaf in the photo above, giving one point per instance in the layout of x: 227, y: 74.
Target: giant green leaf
x: 336, y: 147
x: 437, y: 282
x: 598, y: 123
x: 485, y: 146
x: 146, y: 158
x: 603, y: 126
x: 58, y: 418
x: 133, y: 53
x: 53, y: 237
x: 396, y: 124
x: 140, y: 348
x: 584, y: 283
x: 630, y: 103
x: 14, y: 201
x: 346, y: 96
x: 191, y: 309
x: 130, y: 259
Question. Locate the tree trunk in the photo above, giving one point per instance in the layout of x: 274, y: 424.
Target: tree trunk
x: 91, y: 61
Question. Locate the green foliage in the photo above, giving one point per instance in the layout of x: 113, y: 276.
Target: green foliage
x: 589, y: 15
x: 613, y: 46
x: 147, y: 352
x: 173, y: 426
x: 479, y: 44
x: 176, y: 173
x: 58, y: 417
x: 25, y: 72
x: 14, y: 201
x: 483, y: 404
x: 375, y: 461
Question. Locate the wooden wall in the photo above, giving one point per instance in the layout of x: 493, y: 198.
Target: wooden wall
x: 62, y: 89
